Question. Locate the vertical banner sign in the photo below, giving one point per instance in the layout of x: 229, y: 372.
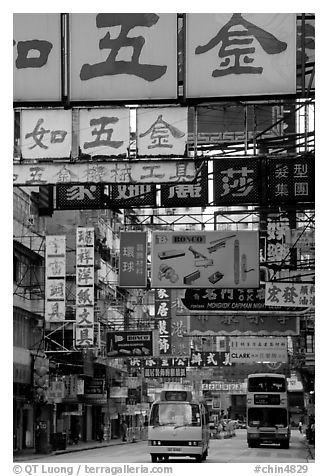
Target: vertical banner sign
x: 55, y: 277
x: 162, y: 131
x: 85, y: 251
x: 277, y: 248
x: 163, y: 304
x: 133, y: 259
x: 237, y: 54
x: 37, y: 57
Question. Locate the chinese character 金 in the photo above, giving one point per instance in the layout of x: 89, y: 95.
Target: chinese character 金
x: 112, y: 66
x: 159, y: 133
x: 229, y: 36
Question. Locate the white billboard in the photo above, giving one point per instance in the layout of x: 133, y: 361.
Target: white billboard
x: 237, y: 54
x: 162, y: 131
x: 212, y: 259
x: 121, y: 56
x: 37, y: 57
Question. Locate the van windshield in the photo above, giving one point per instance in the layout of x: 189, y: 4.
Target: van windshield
x: 177, y: 414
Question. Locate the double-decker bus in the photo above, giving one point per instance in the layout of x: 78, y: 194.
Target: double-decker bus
x: 178, y: 426
x: 267, y: 410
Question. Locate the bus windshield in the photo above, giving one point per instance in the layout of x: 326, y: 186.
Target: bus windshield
x: 264, y: 417
x: 266, y: 384
x: 178, y: 414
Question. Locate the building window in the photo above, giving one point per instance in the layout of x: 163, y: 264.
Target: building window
x: 310, y: 343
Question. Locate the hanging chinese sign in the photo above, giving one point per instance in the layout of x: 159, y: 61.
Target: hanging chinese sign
x: 251, y: 299
x: 165, y: 368
x: 120, y: 56
x: 130, y: 196
x: 205, y: 259
x: 236, y: 181
x: 79, y: 197
x: 237, y: 54
x: 290, y: 294
x: 161, y: 131
x: 85, y: 251
x: 165, y: 373
x: 252, y: 324
x: 291, y: 180
x: 37, y: 57
x: 104, y: 132
x: 55, y: 278
x: 180, y: 340
x: 187, y: 195
x: 133, y: 259
x: 258, y: 349
x: 46, y: 134
x: 207, y: 359
x: 163, y: 305
x: 174, y: 171
x: 230, y: 387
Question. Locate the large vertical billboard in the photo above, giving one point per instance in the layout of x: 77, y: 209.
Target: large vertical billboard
x: 205, y: 259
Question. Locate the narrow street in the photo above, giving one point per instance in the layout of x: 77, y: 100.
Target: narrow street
x: 230, y: 450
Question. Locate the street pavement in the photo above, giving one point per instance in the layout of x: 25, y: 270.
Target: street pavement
x: 230, y: 450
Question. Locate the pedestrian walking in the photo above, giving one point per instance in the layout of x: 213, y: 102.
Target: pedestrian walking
x: 124, y: 431
x: 101, y: 433
x: 300, y: 427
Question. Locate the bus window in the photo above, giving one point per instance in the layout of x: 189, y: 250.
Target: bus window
x: 267, y: 417
x: 264, y: 384
x: 175, y: 414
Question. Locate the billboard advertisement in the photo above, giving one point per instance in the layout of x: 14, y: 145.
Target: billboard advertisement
x: 134, y: 343
x: 212, y: 259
